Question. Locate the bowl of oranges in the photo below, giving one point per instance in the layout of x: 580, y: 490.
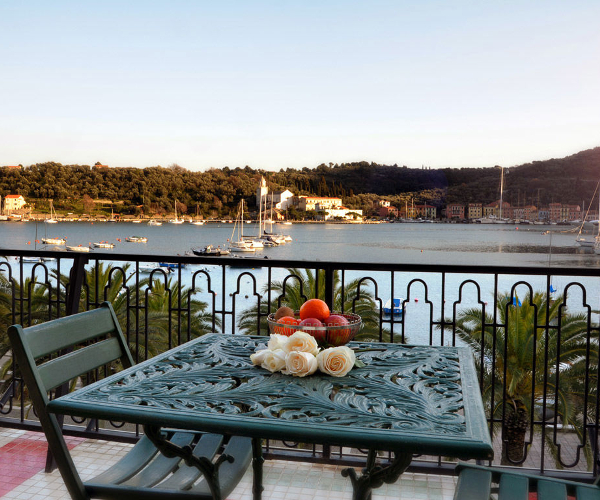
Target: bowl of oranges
x: 330, y: 329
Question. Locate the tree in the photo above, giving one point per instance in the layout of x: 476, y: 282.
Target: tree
x: 150, y: 307
x: 514, y: 356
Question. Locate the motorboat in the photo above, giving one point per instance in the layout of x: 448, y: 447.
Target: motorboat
x: 137, y: 239
x: 153, y: 222
x: 104, y: 244
x: 171, y: 265
x: 210, y: 251
x: 54, y: 241
x: 149, y: 267
x: 78, y: 248
x: 393, y: 307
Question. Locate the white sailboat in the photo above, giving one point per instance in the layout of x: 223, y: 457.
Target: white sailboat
x: 279, y: 239
x: 52, y: 219
x: 589, y: 242
x: 597, y: 238
x: 239, y: 244
x: 176, y: 220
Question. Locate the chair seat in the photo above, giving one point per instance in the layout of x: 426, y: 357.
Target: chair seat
x: 145, y: 473
x: 476, y: 483
x: 59, y: 352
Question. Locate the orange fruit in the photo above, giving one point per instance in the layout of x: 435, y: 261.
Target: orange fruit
x: 286, y: 320
x: 314, y: 308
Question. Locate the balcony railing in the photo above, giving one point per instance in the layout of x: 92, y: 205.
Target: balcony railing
x: 534, y: 332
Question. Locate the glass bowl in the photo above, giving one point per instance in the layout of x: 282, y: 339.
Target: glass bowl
x: 329, y: 335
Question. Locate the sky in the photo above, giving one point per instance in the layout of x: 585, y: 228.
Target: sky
x: 293, y: 84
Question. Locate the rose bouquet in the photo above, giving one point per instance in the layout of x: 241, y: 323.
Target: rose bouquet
x: 299, y: 355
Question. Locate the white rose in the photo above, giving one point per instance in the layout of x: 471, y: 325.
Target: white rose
x: 259, y: 356
x: 300, y: 364
x: 336, y: 361
x: 274, y: 361
x: 277, y: 341
x: 301, y: 342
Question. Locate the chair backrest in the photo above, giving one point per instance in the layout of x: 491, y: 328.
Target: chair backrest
x: 58, y: 351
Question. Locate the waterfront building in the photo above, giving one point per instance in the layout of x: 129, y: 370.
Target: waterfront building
x: 455, y: 211
x: 13, y: 202
x: 475, y: 211
x: 387, y: 211
x: 281, y: 200
x: 543, y: 214
x: 528, y: 212
x: 555, y: 212
x: 495, y: 210
x: 318, y: 203
x: 426, y: 211
x: 343, y: 213
x: 572, y: 212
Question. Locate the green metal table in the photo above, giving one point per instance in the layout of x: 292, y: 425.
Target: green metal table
x: 407, y: 400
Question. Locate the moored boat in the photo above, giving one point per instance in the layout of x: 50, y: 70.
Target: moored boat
x: 393, y: 307
x: 54, y: 241
x: 104, y: 244
x: 137, y: 239
x: 78, y: 248
x: 210, y: 250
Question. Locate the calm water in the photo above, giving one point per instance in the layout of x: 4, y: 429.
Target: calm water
x: 500, y: 245
x: 385, y: 243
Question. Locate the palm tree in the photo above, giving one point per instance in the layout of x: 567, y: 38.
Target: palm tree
x: 527, y: 337
x: 301, y: 285
x: 146, y: 309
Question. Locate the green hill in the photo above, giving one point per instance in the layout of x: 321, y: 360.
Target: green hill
x: 217, y: 192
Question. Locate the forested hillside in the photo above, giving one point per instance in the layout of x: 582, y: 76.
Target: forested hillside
x: 216, y: 192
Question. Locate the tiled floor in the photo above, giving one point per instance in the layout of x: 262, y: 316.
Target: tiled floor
x: 23, y: 454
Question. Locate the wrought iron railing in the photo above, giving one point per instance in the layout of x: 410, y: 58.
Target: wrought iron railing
x: 534, y: 331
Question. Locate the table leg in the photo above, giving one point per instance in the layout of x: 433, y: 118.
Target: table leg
x: 257, y: 468
x: 373, y: 476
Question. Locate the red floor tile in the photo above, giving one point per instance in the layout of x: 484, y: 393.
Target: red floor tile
x: 24, y: 457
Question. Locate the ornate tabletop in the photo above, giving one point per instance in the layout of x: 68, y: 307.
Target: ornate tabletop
x: 416, y: 399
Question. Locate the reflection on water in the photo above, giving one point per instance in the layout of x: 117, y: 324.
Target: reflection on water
x: 382, y: 243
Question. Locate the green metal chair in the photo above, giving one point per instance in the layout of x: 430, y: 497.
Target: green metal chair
x: 477, y: 482
x: 51, y: 354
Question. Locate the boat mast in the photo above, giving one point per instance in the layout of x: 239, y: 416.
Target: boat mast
x: 501, y: 189
x: 260, y: 229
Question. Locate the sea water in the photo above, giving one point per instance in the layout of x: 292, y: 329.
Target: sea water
x: 408, y: 243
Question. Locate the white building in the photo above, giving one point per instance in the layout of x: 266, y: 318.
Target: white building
x: 13, y: 202
x: 261, y: 192
x: 281, y: 200
x: 318, y: 203
x: 343, y: 212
